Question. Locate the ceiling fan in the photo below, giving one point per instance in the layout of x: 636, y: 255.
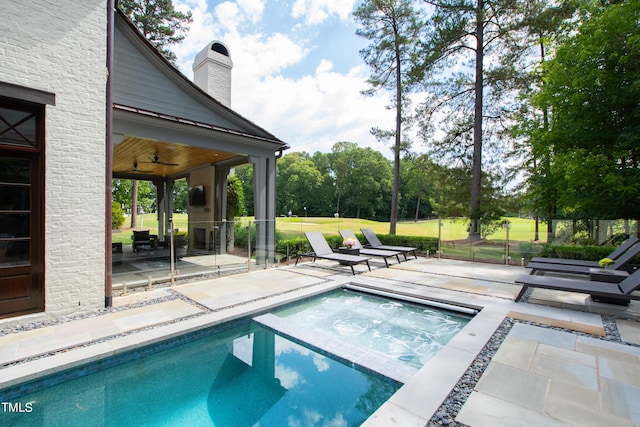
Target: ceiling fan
x: 156, y: 160
x: 136, y: 170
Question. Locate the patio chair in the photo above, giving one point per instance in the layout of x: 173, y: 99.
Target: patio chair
x: 346, y: 234
x: 621, y: 264
x: 322, y: 250
x: 142, y: 239
x: 605, y: 291
x: 375, y: 243
x: 630, y: 242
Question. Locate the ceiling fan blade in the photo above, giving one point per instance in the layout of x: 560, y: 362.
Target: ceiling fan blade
x: 136, y: 170
x: 156, y: 160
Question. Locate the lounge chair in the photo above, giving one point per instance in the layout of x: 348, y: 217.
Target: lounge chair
x: 605, y: 291
x: 375, y: 243
x: 631, y: 241
x: 346, y: 234
x: 322, y: 250
x: 621, y: 264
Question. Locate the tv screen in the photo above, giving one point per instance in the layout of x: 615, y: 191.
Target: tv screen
x: 196, y: 195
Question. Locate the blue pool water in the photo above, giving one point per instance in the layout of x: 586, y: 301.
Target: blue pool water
x: 244, y: 376
x: 404, y: 331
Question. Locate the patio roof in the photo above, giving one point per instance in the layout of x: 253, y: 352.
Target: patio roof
x: 164, y: 125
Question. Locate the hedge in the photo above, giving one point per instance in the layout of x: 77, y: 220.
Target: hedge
x: 301, y: 245
x: 585, y: 252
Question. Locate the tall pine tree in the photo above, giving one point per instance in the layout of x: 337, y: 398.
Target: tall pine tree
x: 393, y: 28
x: 159, y: 22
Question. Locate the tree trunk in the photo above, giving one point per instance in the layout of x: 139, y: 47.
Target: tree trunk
x: 396, y: 148
x: 134, y: 204
x: 417, y: 208
x: 476, y: 183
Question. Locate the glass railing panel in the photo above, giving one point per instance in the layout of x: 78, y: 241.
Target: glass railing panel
x: 194, y: 249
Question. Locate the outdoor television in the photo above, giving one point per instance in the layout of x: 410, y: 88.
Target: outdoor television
x: 196, y: 195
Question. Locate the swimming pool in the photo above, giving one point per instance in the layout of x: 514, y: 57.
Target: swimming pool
x: 242, y: 375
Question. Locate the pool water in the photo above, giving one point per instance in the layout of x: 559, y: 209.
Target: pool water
x: 407, y: 332
x: 244, y: 376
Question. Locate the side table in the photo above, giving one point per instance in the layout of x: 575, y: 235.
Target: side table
x: 349, y: 251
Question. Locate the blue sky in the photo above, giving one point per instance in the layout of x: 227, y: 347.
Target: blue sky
x: 297, y: 71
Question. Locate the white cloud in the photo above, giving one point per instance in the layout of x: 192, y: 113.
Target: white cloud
x: 317, y: 11
x: 311, y: 112
x: 253, y: 8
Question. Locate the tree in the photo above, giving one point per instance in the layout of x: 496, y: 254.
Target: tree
x: 362, y: 176
x: 393, y: 27
x: 322, y: 204
x: 159, y: 22
x: 180, y: 195
x: 592, y: 87
x: 417, y: 184
x: 541, y: 24
x: 464, y: 32
x: 297, y: 181
x: 245, y: 174
x: 235, y: 198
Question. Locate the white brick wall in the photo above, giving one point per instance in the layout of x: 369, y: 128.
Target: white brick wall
x: 60, y: 47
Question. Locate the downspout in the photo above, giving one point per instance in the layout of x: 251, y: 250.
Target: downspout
x: 108, y: 279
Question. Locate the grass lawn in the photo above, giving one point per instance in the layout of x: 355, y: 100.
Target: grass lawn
x: 452, y: 229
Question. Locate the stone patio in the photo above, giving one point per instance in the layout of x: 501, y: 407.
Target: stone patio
x: 555, y: 367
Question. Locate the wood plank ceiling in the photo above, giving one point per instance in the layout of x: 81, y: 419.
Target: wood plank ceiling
x: 172, y: 159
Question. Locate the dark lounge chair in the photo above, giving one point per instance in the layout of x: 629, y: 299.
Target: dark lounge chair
x: 375, y: 243
x: 621, y: 264
x: 142, y: 239
x: 322, y: 250
x: 607, y: 292
x: 346, y: 234
x: 631, y: 241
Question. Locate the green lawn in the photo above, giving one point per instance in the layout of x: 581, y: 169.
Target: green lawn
x: 520, y: 229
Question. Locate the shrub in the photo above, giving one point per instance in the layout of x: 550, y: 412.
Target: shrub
x: 117, y: 216
x: 300, y: 245
x: 591, y: 252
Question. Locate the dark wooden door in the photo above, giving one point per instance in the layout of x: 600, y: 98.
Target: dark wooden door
x: 21, y: 213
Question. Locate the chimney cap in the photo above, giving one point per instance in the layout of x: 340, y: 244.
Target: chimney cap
x: 217, y: 46
x: 216, y: 51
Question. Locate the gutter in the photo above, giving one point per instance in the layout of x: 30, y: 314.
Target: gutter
x: 108, y: 277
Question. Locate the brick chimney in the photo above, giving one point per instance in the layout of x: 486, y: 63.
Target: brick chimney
x: 212, y: 71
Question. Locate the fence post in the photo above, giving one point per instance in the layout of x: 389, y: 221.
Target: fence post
x: 439, y: 238
x: 172, y: 251
x: 506, y: 256
x: 249, y: 247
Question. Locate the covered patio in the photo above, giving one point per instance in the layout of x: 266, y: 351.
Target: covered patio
x: 165, y: 128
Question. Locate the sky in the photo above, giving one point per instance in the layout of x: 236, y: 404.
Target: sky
x: 297, y: 71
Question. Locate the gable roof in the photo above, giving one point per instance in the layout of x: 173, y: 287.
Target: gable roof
x: 144, y: 79
x: 156, y: 107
